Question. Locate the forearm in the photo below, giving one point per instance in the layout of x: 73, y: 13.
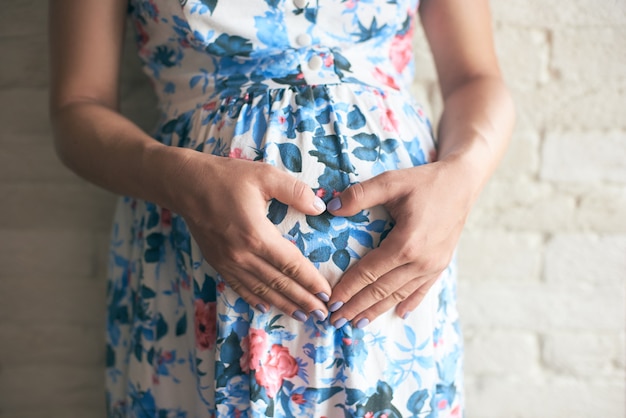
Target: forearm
x: 110, y: 151
x: 475, y: 128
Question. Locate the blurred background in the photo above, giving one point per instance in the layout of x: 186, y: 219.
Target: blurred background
x: 542, y: 261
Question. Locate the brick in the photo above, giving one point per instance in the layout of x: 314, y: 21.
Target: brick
x: 35, y: 253
x: 33, y: 160
x: 521, y: 157
x: 24, y: 112
x: 570, y: 105
x: 500, y: 353
x: 584, y: 157
x: 23, y: 17
x: 28, y: 66
x: 541, y: 307
x: 585, y: 354
x: 67, y: 345
x: 53, y: 300
x: 602, y: 208
x: 538, y: 13
x: 96, y: 411
x: 524, y: 54
x: 37, y: 387
x: 524, y: 205
x: 424, y: 63
x: 584, y: 258
x: 589, y: 55
x: 101, y: 242
x: 55, y: 206
x: 524, y: 397
x: 496, y: 255
x: 139, y: 104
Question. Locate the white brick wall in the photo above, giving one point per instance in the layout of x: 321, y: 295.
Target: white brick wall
x: 543, y: 259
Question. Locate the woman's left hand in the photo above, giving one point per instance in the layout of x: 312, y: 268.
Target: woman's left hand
x: 429, y: 205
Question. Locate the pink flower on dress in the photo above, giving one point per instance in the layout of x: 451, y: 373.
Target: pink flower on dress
x: 254, y: 347
x: 278, y: 365
x: 238, y: 154
x: 401, y: 50
x: 385, y: 78
x: 298, y: 399
x: 388, y: 121
x: 166, y: 217
x: 328, y: 60
x: 205, y: 324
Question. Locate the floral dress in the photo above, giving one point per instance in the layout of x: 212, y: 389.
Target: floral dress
x: 319, y: 89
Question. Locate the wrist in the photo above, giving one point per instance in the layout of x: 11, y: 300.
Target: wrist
x: 471, y: 174
x: 163, y: 175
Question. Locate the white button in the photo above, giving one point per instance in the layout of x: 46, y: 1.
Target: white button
x: 300, y: 4
x: 315, y: 63
x: 304, y: 39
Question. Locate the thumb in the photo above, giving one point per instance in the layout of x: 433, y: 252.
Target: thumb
x: 293, y: 192
x: 359, y: 196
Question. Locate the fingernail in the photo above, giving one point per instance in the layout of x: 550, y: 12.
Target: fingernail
x: 319, y: 315
x: 299, y: 315
x: 261, y: 308
x: 340, y: 323
x: 362, y: 323
x: 319, y: 204
x: 335, y: 306
x: 406, y: 315
x: 334, y: 204
x: 323, y: 297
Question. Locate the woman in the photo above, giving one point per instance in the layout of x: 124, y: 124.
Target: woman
x: 284, y: 249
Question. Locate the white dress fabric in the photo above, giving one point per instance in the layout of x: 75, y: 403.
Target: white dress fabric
x: 319, y: 89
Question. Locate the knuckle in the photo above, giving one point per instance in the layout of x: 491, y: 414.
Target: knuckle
x: 379, y: 293
x: 259, y: 289
x: 235, y: 285
x: 433, y: 265
x: 299, y: 190
x: 236, y: 257
x: 290, y: 269
x: 356, y: 191
x: 401, y: 295
x: 366, y: 277
x: 385, y: 179
x: 409, y: 252
x: 279, y: 283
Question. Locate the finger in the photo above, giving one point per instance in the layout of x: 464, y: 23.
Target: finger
x: 417, y: 288
x: 387, y: 257
x: 390, y: 285
x: 375, y: 191
x: 292, y: 192
x: 409, y: 304
x: 286, y: 292
x: 281, y: 266
x: 260, y: 296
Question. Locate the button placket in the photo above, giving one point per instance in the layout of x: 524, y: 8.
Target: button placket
x: 304, y: 39
x: 300, y: 4
x: 315, y: 62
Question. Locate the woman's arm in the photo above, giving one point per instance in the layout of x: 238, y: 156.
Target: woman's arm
x: 227, y: 220
x: 430, y: 203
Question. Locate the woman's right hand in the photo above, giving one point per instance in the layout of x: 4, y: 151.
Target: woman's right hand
x: 224, y: 202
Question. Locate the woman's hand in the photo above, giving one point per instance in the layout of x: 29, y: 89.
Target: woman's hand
x: 224, y: 202
x: 429, y: 205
